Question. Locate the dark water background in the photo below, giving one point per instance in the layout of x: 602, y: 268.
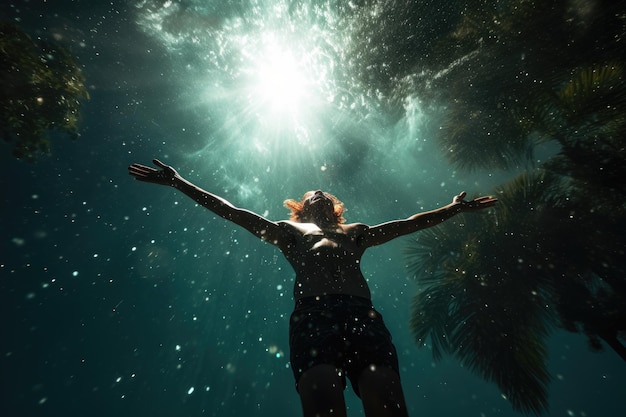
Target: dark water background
x: 120, y: 298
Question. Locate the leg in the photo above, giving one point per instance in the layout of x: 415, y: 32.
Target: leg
x: 381, y: 392
x: 321, y: 392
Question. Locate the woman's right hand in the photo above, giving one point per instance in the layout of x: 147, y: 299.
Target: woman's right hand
x: 165, y: 176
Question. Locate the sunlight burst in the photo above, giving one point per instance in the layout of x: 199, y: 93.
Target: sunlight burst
x: 269, y: 83
x: 280, y: 82
x: 280, y: 79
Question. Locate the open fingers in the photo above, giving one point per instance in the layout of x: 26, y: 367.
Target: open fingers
x: 140, y: 171
x: 486, y: 200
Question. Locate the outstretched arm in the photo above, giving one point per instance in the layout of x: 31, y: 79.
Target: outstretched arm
x: 376, y: 235
x: 256, y: 224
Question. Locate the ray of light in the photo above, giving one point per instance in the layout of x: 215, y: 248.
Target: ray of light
x: 272, y: 81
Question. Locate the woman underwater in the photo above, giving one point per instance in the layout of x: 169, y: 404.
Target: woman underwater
x: 334, y: 331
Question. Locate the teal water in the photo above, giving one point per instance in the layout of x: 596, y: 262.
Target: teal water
x: 123, y: 298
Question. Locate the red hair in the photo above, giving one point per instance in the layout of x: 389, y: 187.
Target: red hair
x: 296, y: 207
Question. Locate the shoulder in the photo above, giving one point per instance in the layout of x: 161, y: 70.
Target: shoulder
x: 286, y: 223
x: 355, y: 229
x: 357, y: 232
x: 289, y: 225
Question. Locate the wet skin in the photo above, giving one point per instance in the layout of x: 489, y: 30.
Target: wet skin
x: 325, y: 255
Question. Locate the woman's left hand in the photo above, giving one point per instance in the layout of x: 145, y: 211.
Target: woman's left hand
x: 478, y: 203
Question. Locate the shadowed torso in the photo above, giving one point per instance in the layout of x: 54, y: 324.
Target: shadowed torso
x: 326, y: 261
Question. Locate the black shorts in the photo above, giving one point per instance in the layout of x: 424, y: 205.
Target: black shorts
x: 340, y: 330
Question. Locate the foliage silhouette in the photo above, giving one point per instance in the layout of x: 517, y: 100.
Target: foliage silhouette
x: 42, y: 89
x: 487, y: 281
x: 487, y: 70
x: 593, y: 159
x: 511, y: 79
x: 494, y: 287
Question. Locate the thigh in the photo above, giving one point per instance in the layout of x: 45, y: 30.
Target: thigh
x: 321, y: 392
x: 381, y: 392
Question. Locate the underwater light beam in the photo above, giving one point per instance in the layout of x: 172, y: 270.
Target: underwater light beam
x: 271, y: 81
x: 280, y: 82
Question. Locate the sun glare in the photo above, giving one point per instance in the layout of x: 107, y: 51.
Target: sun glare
x: 281, y: 83
x: 267, y: 77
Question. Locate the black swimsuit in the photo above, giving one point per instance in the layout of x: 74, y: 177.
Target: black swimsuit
x: 341, y: 330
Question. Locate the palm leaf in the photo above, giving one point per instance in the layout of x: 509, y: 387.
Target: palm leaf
x: 487, y: 307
